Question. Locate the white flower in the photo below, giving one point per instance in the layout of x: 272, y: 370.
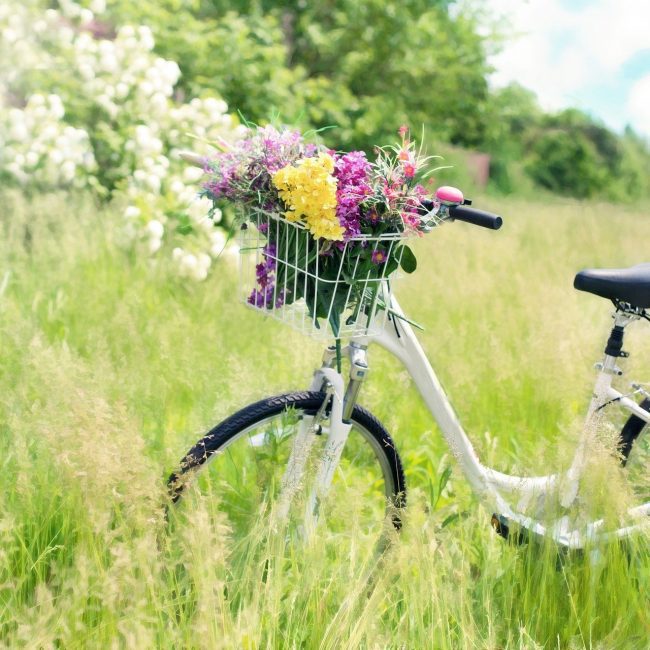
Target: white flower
x: 56, y: 156
x: 159, y: 103
x: 192, y: 174
x: 204, y: 261
x: 154, y: 183
x: 200, y: 274
x: 206, y: 224
x: 50, y: 132
x: 197, y: 211
x: 177, y: 186
x: 126, y: 32
x: 56, y: 106
x: 67, y: 171
x: 86, y: 71
x: 86, y: 16
x: 215, y: 106
x: 19, y: 132
x: 146, y: 88
x: 218, y: 240
x: 188, y: 264
x: 146, y: 37
x: 108, y: 62
x: 177, y: 254
x: 10, y: 35
x: 155, y: 229
x: 154, y: 245
x: 121, y: 90
x: 16, y: 171
x: 131, y: 212
x: 31, y: 159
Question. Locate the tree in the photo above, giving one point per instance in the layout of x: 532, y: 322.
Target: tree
x: 364, y: 66
x: 567, y: 162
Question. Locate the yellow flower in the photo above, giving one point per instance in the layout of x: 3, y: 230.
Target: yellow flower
x: 308, y: 189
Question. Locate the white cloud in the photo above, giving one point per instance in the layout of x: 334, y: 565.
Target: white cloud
x: 611, y: 31
x: 639, y: 104
x: 531, y: 56
x: 556, y: 51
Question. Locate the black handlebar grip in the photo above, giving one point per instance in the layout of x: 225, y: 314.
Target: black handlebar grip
x: 476, y: 217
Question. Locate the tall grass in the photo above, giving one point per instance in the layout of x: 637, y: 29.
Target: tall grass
x: 111, y: 368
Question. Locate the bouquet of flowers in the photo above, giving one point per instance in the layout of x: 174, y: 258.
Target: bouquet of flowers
x: 326, y: 228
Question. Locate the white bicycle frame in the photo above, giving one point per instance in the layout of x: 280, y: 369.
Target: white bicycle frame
x: 497, y: 489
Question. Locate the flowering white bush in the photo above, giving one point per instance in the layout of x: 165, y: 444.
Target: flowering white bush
x: 112, y: 125
x: 38, y: 147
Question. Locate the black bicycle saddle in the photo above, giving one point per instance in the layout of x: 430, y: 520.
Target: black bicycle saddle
x: 631, y: 285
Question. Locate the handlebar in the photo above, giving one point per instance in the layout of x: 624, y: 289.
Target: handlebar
x: 476, y: 217
x: 468, y: 215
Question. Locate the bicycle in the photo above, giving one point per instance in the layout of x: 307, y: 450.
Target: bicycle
x: 295, y: 452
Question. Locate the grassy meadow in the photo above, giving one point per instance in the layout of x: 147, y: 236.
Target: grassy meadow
x: 111, y: 367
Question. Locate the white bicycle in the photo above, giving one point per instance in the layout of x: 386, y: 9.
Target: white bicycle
x: 314, y: 456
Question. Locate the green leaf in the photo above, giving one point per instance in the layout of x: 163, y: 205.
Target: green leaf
x: 408, y: 261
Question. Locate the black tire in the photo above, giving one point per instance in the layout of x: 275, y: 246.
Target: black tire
x: 237, y: 427
x: 630, y: 432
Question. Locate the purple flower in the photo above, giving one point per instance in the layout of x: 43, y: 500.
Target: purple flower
x: 263, y: 299
x: 352, y: 172
x: 262, y: 296
x: 259, y: 298
x: 378, y: 256
x: 242, y: 173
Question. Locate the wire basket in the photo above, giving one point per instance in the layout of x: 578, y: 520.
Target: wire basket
x: 315, y: 288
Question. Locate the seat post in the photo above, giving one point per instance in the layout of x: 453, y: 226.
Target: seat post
x: 614, y: 348
x: 615, y: 342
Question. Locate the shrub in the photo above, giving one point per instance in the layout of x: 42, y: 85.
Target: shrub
x: 92, y: 107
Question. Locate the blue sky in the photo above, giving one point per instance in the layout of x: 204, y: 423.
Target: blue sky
x: 593, y: 54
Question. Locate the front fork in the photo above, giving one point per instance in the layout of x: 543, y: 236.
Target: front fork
x: 343, y: 399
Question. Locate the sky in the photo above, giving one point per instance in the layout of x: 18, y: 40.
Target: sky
x: 591, y: 54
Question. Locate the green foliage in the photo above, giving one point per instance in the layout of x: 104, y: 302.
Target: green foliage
x: 403, y: 61
x: 408, y: 261
x: 567, y: 163
x: 365, y: 67
x: 567, y: 152
x: 572, y: 154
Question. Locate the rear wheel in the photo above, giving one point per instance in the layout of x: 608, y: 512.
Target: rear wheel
x: 634, y: 447
x: 243, y: 461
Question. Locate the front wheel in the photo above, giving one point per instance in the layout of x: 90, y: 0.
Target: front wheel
x: 243, y: 462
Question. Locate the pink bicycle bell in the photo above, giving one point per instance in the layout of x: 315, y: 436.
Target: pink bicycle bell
x: 448, y: 195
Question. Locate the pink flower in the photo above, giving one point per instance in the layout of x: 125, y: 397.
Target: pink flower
x: 378, y: 257
x: 403, y: 130
x: 409, y: 169
x: 411, y: 221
